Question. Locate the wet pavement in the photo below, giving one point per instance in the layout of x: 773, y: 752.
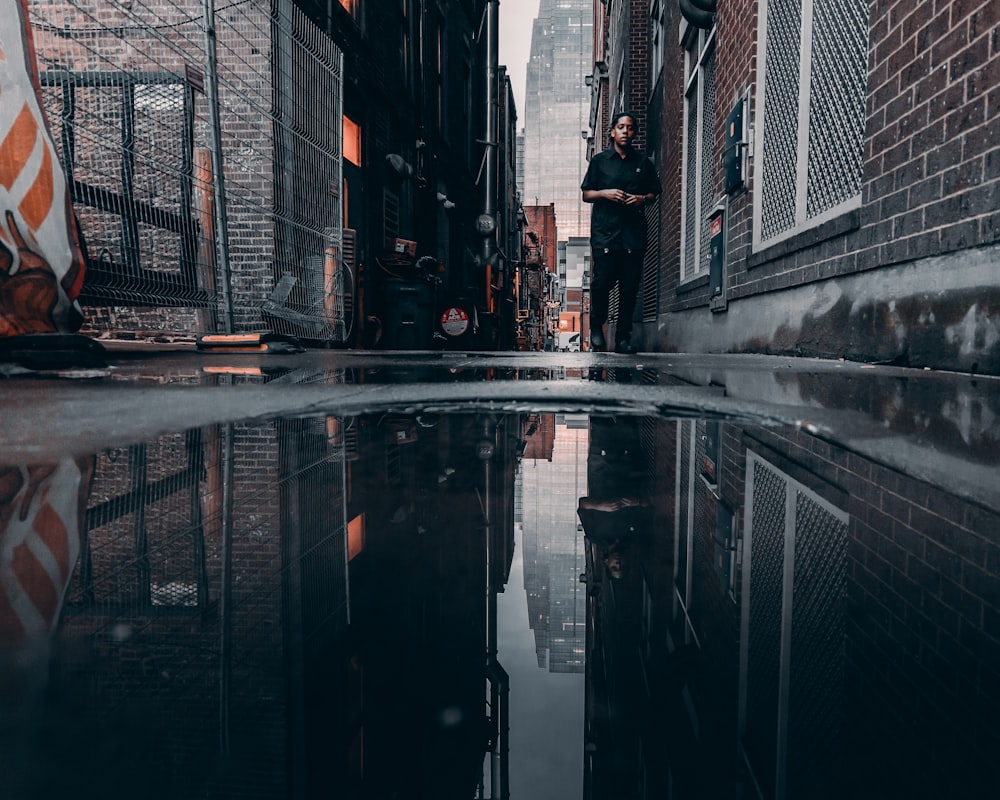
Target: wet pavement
x: 525, y: 575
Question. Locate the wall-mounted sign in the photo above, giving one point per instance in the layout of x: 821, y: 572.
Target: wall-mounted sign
x: 454, y: 322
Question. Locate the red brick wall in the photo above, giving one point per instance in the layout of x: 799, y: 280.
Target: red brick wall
x: 542, y: 221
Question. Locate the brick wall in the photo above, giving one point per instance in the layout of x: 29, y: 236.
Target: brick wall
x: 931, y: 172
x: 637, y: 88
x: 542, y: 221
x: 670, y: 92
x: 932, y: 166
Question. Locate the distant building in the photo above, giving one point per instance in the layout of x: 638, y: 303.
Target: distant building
x: 538, y: 300
x: 574, y: 276
x: 554, y: 549
x: 556, y: 110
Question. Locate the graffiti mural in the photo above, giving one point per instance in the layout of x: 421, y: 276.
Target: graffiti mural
x: 41, y: 260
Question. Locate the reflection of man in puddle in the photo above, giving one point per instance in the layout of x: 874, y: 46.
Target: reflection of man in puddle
x: 616, y: 513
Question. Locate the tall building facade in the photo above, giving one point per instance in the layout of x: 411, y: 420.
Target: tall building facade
x: 557, y: 109
x: 549, y: 487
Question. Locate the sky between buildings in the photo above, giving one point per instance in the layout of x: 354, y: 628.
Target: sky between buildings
x: 516, y: 18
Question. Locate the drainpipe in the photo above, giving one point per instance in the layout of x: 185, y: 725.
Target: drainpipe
x: 499, y: 707
x: 226, y: 589
x: 487, y: 223
x: 219, y: 187
x: 495, y: 673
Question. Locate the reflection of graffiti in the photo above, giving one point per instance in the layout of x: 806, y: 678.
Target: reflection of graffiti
x: 41, y: 263
x: 41, y: 513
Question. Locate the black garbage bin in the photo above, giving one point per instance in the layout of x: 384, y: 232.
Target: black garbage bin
x: 408, y: 323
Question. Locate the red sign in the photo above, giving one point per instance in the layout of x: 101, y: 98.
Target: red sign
x: 454, y: 322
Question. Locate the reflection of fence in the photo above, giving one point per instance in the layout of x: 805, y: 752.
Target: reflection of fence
x: 219, y: 625
x: 193, y: 219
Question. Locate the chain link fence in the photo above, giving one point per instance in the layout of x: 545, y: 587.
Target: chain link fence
x: 203, y: 150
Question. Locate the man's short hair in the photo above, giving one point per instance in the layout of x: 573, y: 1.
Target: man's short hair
x: 630, y: 115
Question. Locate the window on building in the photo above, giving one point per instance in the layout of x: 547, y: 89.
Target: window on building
x: 352, y: 169
x: 355, y: 536
x: 810, y: 115
x: 657, y: 38
x: 352, y: 141
x: 698, y: 192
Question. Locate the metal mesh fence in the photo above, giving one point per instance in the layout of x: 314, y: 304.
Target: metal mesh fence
x: 203, y: 152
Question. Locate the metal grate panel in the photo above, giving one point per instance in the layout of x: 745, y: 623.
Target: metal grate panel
x: 708, y: 159
x: 764, y: 637
x: 651, y: 263
x: 814, y: 68
x: 781, y: 117
x: 815, y: 719
x: 837, y: 103
x: 683, y: 556
x: 690, y: 264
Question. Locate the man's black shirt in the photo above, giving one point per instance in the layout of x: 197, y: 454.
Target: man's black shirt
x: 614, y: 226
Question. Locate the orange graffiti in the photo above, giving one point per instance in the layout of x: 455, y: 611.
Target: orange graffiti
x: 17, y: 146
x: 37, y: 201
x: 29, y: 295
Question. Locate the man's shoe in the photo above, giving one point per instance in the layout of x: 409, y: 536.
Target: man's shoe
x: 626, y: 348
x: 597, y: 340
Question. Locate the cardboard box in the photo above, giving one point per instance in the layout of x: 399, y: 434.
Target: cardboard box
x: 402, y: 432
x: 404, y: 246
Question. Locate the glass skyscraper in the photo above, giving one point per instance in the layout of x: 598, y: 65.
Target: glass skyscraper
x: 557, y: 111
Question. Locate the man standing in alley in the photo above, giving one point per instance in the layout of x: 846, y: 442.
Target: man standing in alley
x: 619, y: 182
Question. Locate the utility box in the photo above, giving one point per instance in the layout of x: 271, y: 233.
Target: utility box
x: 717, y: 258
x: 734, y: 149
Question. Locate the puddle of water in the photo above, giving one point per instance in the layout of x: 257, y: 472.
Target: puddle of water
x: 735, y: 585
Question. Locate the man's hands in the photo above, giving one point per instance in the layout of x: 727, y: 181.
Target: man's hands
x: 614, y: 196
x: 614, y: 503
x: 623, y: 197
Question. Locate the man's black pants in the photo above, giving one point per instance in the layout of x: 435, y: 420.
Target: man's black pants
x: 622, y: 267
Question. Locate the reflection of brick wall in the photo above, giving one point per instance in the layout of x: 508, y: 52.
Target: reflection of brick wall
x: 920, y: 592
x: 154, y: 672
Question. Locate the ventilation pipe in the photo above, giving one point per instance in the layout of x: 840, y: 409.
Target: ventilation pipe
x: 700, y: 13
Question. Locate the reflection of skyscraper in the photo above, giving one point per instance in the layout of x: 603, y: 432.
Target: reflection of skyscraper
x: 553, y: 548
x: 557, y: 109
